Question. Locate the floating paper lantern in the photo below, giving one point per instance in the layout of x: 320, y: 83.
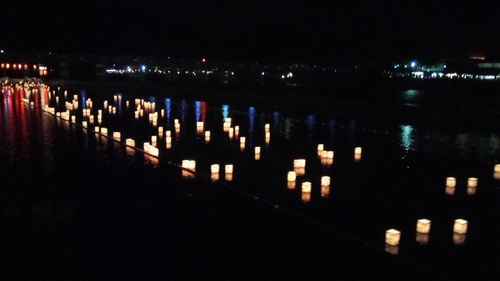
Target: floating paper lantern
x: 299, y: 163
x: 117, y: 136
x: 160, y: 131
x: 451, y: 181
x: 306, y: 191
x: 168, y: 133
x: 177, y: 128
x: 267, y: 126
x: 104, y: 131
x: 226, y: 126
x: 267, y: 138
x: 257, y: 150
x: 228, y: 120
x: 291, y: 176
x: 127, y: 103
x: 242, y: 143
x: 189, y: 164
x: 358, y: 150
x: 153, y: 140
x: 207, y: 136
x: 73, y: 119
x: 162, y: 112
x: 97, y: 129
x: 423, y: 226
x: 236, y: 131
x: 496, y: 169
x: 228, y: 168
x: 199, y: 127
x: 306, y: 187
x: 168, y: 142
x: 214, y: 168
x: 320, y: 149
x: 460, y: 226
x: 392, y: 237
x: 231, y: 133
x: 325, y: 181
x: 84, y: 124
x: 130, y: 142
x: 472, y: 182
x: 176, y: 121
x: 151, y: 150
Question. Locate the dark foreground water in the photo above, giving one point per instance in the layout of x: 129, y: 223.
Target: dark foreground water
x: 76, y: 206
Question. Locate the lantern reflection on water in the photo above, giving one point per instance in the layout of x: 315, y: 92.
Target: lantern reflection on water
x: 160, y: 131
x: 231, y: 133
x: 168, y: 141
x: 459, y: 238
x: 422, y: 238
x: 267, y: 138
x: 472, y: 182
x: 242, y: 143
x: 257, y: 152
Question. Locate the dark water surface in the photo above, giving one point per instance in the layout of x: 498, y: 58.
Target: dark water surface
x: 78, y: 206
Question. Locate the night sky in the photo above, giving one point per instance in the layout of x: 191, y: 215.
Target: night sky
x: 255, y: 30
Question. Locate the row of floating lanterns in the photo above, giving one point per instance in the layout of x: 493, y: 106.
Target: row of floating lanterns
x: 423, y: 228
x: 451, y: 183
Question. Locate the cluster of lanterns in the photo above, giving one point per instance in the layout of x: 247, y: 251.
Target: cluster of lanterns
x: 392, y: 236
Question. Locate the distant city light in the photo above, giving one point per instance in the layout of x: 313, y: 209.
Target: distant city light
x: 289, y: 75
x: 203, y: 60
x: 413, y: 64
x: 263, y: 74
x: 2, y: 51
x: 143, y: 67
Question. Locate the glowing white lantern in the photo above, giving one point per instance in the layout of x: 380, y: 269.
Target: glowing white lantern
x: 306, y: 187
x: 460, y: 226
x: 228, y: 168
x: 267, y: 138
x: 127, y: 103
x: 472, y: 182
x: 242, y: 143
x: 226, y: 126
x: 130, y: 142
x: 451, y: 181
x: 257, y: 152
x: 228, y: 120
x: 214, y: 168
x: 299, y: 163
x: 325, y: 181
x: 162, y: 112
x: 291, y: 176
x: 236, y: 131
x: 199, y: 127
x: 104, y: 131
x: 423, y: 226
x: 267, y: 126
x: 97, y: 130
x: 168, y: 133
x: 160, y: 131
x: 177, y: 128
x: 117, y: 136
x: 392, y: 237
x: 497, y: 168
x: 73, y: 119
x: 153, y: 140
x: 84, y: 124
x: 207, y: 136
x: 176, y: 121
x: 358, y: 150
x: 320, y: 149
x: 231, y: 133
